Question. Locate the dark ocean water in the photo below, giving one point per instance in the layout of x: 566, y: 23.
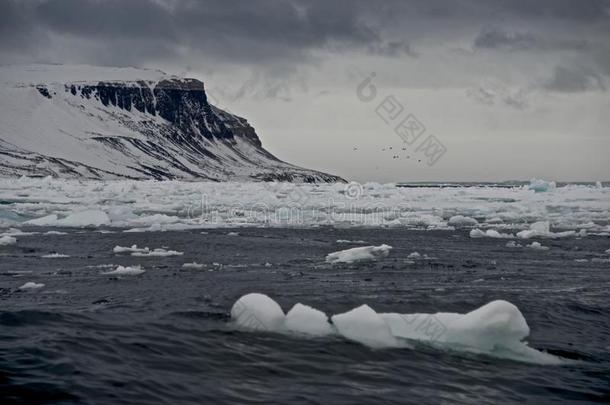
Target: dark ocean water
x: 165, y: 336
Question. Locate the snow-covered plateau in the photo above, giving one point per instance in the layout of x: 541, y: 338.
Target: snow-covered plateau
x: 111, y: 123
x: 178, y: 205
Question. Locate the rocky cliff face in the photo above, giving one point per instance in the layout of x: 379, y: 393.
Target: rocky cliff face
x: 157, y: 126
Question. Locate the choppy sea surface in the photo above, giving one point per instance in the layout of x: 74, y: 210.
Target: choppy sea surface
x: 165, y: 335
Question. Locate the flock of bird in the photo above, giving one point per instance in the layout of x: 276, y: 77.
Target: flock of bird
x: 394, y: 156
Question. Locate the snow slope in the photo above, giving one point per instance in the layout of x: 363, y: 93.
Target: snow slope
x: 109, y: 123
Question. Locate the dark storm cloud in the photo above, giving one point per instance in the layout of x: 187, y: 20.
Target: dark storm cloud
x: 503, y: 40
x: 281, y: 34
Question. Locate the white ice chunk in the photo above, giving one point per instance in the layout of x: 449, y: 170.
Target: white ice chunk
x: 462, y: 221
x: 365, y: 326
x: 158, y: 253
x: 30, y: 285
x: 55, y: 256
x: 307, y: 320
x: 258, y: 312
x: 539, y: 185
x: 125, y: 271
x: 55, y: 233
x: 536, y: 246
x: 193, y: 266
x: 49, y: 220
x: 133, y: 248
x: 490, y: 233
x: 7, y: 240
x: 359, y: 254
x: 85, y: 218
x: 543, y: 229
x: 497, y: 328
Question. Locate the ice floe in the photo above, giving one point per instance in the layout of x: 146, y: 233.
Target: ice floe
x: 308, y: 321
x: 193, y: 266
x: 30, y: 285
x: 130, y: 249
x: 536, y: 246
x: 542, y: 229
x: 539, y: 185
x: 54, y: 256
x: 496, y: 329
x: 7, y: 240
x: 359, y: 254
x: 490, y: 233
x: 462, y: 221
x: 159, y: 252
x: 125, y: 271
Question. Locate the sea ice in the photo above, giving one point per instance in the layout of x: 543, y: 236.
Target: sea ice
x: 542, y: 229
x: 258, y: 312
x: 513, y: 244
x: 359, y: 254
x: 54, y: 256
x: 462, y: 221
x: 365, y: 326
x: 307, y: 320
x: 536, y: 246
x: 7, y: 240
x: 539, y: 185
x: 30, y: 285
x: 497, y: 328
x: 132, y: 249
x: 125, y: 271
x: 158, y: 253
x: 490, y: 233
x: 193, y: 266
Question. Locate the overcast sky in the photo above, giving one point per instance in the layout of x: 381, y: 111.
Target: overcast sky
x: 511, y: 89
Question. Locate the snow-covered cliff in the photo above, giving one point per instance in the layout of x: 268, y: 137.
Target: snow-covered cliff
x: 104, y: 123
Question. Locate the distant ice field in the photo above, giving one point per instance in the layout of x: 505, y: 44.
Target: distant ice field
x: 176, y: 205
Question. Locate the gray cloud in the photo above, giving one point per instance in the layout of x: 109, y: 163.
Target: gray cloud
x: 283, y: 36
x: 260, y: 31
x: 575, y: 79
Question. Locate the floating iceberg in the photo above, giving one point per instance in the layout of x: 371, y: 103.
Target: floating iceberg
x: 496, y: 329
x: 158, y: 253
x: 359, y: 254
x: 125, y: 271
x: 540, y: 186
x: 7, y: 240
x: 490, y: 233
x: 462, y: 221
x: 30, y: 285
x: 308, y: 321
x: 536, y: 246
x: 542, y: 229
x: 132, y: 249
x: 193, y: 266
x: 55, y: 256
